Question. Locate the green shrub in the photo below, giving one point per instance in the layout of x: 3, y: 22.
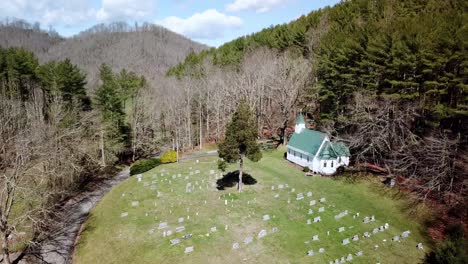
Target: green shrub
x: 452, y: 251
x: 222, y: 165
x: 306, y: 169
x: 169, y: 156
x: 144, y: 166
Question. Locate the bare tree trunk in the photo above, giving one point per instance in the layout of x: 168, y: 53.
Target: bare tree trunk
x: 5, y: 248
x: 241, y: 169
x: 201, y: 124
x: 103, y: 157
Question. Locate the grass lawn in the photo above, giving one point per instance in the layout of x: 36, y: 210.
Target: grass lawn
x: 110, y: 238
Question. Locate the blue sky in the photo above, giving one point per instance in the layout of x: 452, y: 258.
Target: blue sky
x: 211, y: 22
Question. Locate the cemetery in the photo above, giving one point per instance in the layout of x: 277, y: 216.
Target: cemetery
x: 175, y: 213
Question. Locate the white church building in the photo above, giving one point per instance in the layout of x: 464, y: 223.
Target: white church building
x: 313, y: 149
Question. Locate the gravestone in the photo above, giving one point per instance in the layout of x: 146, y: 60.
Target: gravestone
x: 187, y: 236
x: 321, y: 209
x: 266, y: 217
x: 386, y: 225
x: 405, y: 234
x: 280, y: 187
x: 293, y: 190
x: 299, y: 196
x: 248, y: 240
x: 175, y: 241
x: 262, y: 233
x: 310, y: 253
x: 151, y: 231
x: 359, y: 253
x: 381, y: 228
x: 272, y: 188
x: 310, y: 211
x: 375, y: 231
x: 180, y: 220
x: 315, y: 238
x: 396, y: 238
x: 322, y: 200
x: 180, y: 229
x: 309, y: 222
x: 174, y: 176
x: 309, y: 194
x: 274, y: 230
x: 135, y: 203
x: 276, y: 195
x: 366, y: 220
x: 168, y: 233
x: 213, y: 229
x: 312, y: 203
x: 349, y: 258
x: 372, y: 219
x: 341, y: 229
x: 321, y: 250
x: 235, y: 246
x: 124, y: 214
x: 317, y: 219
x: 366, y: 235
x: 197, y: 171
x: 162, y: 225
x: 188, y: 249
x: 420, y: 246
x: 355, y: 238
x: 345, y: 241
x: 342, y: 260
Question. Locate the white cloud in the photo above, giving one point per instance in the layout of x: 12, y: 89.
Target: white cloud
x: 260, y: 6
x: 209, y: 24
x: 124, y: 9
x: 48, y: 12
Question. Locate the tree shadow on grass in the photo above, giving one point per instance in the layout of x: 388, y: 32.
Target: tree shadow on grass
x: 231, y: 179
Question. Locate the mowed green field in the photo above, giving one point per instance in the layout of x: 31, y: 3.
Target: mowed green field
x: 136, y: 238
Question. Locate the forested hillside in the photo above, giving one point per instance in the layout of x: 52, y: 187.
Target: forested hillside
x: 147, y: 49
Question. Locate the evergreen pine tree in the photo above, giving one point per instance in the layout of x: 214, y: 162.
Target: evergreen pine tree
x: 240, y: 139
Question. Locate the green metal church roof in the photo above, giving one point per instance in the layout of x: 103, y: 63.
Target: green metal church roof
x: 308, y: 140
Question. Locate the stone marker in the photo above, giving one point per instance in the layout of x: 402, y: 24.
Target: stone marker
x: 180, y: 229
x: 420, y: 246
x: 213, y: 229
x: 381, y: 228
x: 299, y: 196
x: 276, y: 195
x: 386, y: 225
x: 396, y: 238
x: 345, y: 241
x: 349, y: 258
x: 310, y: 211
x: 375, y: 231
x: 175, y: 241
x: 322, y: 200
x: 124, y: 214
x: 405, y: 234
x: 315, y: 238
x: 262, y: 233
x: 235, y: 246
x: 168, y: 233
x: 248, y: 240
x: 135, y: 203
x: 266, y: 217
x: 312, y: 203
x: 355, y: 238
x: 272, y: 188
x: 180, y: 220
x: 317, y: 219
x: 372, y: 219
x: 359, y: 253
x: 162, y: 225
x: 310, y: 253
x: 321, y: 209
x: 293, y: 190
x: 280, y: 186
x: 309, y: 222
x: 341, y: 229
x: 188, y: 249
x: 309, y: 194
x: 274, y: 230
x: 187, y: 236
x: 365, y: 220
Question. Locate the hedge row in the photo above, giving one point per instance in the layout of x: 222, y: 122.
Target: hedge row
x: 144, y: 165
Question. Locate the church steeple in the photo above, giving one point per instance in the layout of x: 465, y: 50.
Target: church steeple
x: 300, y: 124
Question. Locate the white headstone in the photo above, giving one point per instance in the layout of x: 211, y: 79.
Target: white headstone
x: 317, y: 219
x: 162, y: 225
x: 322, y: 200
x: 180, y: 220
x: 248, y: 240
x: 188, y: 249
x: 310, y: 253
x: 309, y: 194
x: 299, y: 196
x: 312, y: 202
x: 345, y: 241
x: 213, y: 229
x: 321, y: 250
x: 175, y: 241
x: 180, y: 229
x: 266, y: 217
x: 321, y: 209
x: 341, y: 229
x: 235, y: 246
x: 315, y: 238
x: 311, y: 211
x: 124, y: 214
x: 135, y: 203
x: 262, y: 233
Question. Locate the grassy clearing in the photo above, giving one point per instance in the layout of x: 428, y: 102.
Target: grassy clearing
x: 110, y: 238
